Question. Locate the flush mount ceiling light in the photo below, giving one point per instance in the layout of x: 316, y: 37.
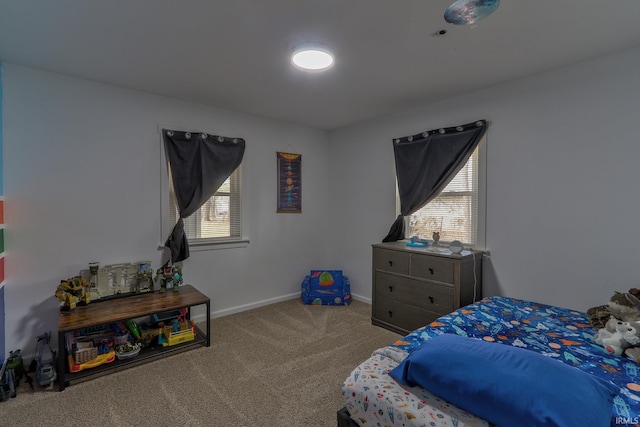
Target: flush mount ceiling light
x: 468, y: 12
x: 312, y: 57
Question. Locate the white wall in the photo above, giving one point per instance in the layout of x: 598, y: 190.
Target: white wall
x: 562, y: 182
x: 82, y: 177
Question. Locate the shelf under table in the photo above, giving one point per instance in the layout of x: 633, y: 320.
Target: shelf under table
x: 114, y: 310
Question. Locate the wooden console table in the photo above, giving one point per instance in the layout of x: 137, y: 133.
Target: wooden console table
x: 114, y: 310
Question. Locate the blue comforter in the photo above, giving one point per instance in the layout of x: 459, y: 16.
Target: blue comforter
x: 552, y: 331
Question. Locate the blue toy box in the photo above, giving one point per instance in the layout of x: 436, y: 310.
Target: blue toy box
x: 326, y: 287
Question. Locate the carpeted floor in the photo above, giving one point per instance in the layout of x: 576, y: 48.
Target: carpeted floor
x: 278, y: 365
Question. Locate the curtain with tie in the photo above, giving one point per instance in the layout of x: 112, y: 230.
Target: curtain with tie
x: 199, y: 164
x: 426, y: 163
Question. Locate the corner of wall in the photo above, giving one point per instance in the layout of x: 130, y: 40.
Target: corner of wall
x: 2, y: 327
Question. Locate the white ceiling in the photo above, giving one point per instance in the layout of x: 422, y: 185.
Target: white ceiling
x: 234, y: 54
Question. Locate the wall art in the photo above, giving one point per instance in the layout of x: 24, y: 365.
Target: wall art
x: 289, y: 183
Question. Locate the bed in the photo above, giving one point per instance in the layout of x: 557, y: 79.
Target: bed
x: 545, y: 333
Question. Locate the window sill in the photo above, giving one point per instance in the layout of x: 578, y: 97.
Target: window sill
x: 213, y: 246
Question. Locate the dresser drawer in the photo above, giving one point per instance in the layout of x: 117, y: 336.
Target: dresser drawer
x: 434, y: 297
x: 432, y: 268
x: 393, y: 261
x: 404, y: 316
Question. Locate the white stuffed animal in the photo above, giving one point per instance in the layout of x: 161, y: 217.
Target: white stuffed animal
x: 607, y: 331
x: 620, y: 339
x: 632, y: 333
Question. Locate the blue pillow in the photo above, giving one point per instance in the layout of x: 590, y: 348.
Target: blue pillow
x: 506, y: 385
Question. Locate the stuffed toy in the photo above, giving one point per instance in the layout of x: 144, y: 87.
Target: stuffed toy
x: 618, y: 324
x: 599, y: 316
x: 633, y: 353
x: 624, y: 336
x: 632, y: 333
x: 625, y: 306
x: 607, y: 330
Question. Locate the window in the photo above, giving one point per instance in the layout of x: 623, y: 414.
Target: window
x: 454, y: 212
x: 218, y: 220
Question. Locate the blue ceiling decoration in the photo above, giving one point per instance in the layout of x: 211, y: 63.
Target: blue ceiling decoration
x: 467, y: 12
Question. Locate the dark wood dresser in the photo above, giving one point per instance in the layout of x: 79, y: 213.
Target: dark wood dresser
x: 414, y: 286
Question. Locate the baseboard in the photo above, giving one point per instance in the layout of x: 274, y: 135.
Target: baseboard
x: 245, y: 307
x: 262, y: 303
x: 361, y: 298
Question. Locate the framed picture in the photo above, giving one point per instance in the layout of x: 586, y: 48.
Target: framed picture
x: 289, y: 182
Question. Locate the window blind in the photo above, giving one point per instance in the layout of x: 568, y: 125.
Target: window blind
x: 218, y: 219
x: 454, y: 212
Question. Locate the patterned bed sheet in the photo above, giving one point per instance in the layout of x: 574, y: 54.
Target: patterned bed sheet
x: 373, y: 398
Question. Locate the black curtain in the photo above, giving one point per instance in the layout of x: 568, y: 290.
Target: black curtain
x: 427, y: 162
x: 199, y: 164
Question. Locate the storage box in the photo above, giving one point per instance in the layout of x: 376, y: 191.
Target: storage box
x: 84, y: 352
x: 171, y: 337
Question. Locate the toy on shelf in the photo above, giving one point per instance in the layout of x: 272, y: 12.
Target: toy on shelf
x: 176, y: 328
x: 73, y: 292
x: 116, y: 279
x: 130, y: 332
x: 144, y: 277
x: 133, y: 328
x: 94, y: 267
x: 100, y: 359
x: 148, y: 334
x: 84, y: 351
x: 112, y: 280
x: 166, y: 316
x: 127, y: 350
x: 127, y: 279
x: 96, y: 345
x: 169, y: 275
x: 178, y: 331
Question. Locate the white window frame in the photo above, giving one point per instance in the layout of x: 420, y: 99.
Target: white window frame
x: 481, y: 210
x: 200, y: 244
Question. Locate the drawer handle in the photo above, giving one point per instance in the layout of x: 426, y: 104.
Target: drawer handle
x: 390, y: 288
x: 390, y: 313
x: 390, y: 263
x: 431, y: 300
x: 430, y: 270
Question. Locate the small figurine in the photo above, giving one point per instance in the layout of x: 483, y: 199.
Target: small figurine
x: 164, y: 274
x: 14, y: 362
x: 144, y: 277
x: 436, y: 238
x: 7, y: 385
x: 169, y: 275
x: 177, y: 278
